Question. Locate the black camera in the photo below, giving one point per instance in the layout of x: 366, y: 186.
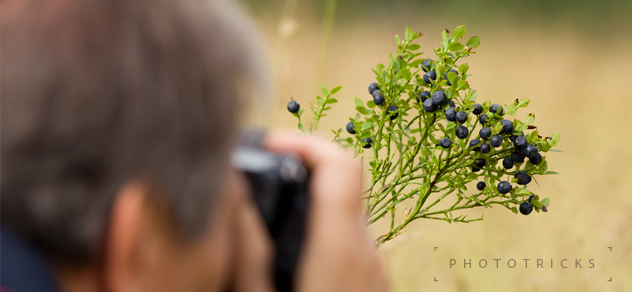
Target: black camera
x: 279, y: 189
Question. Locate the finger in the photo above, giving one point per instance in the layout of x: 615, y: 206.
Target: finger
x: 311, y: 149
x: 336, y: 179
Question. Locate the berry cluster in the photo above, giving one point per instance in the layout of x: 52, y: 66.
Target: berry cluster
x: 495, y: 130
x: 378, y: 100
x: 428, y: 135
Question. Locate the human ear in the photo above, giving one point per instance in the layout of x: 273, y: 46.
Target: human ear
x: 124, y: 250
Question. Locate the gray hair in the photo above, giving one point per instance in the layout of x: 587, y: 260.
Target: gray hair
x: 98, y: 93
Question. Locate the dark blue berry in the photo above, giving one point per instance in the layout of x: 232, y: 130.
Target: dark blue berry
x: 430, y: 75
x: 450, y: 115
x: 373, y: 87
x: 392, y: 112
x: 461, y: 117
x: 429, y: 106
x: 517, y: 157
x: 451, y: 103
x: 508, y: 163
x: 523, y: 177
x: 478, y: 109
x: 485, y: 132
x: 461, y: 132
x: 485, y: 148
x: 520, y: 142
x: 496, y: 141
x: 526, y: 208
x: 351, y: 128
x: 366, y: 142
x: 512, y: 138
x: 497, y: 109
x: 378, y: 98
x: 483, y: 119
x: 439, y: 98
x: 479, y: 163
x: 475, y: 169
x: 423, y: 96
x: 448, y: 79
x: 530, y: 150
x: 425, y: 65
x: 530, y: 198
x: 504, y: 187
x: 536, y: 158
x: 481, y: 185
x: 474, y: 143
x: 445, y: 142
x: 507, y: 126
x: 293, y: 106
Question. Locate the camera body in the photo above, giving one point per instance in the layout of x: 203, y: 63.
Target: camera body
x: 278, y: 185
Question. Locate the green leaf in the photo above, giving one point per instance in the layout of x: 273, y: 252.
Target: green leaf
x: 461, y: 85
x: 529, y: 119
x: 319, y: 100
x: 444, y: 39
x: 405, y: 73
x: 362, y: 110
x: 455, y: 46
x: 370, y: 103
x: 324, y: 90
x: 452, y: 77
x: 536, y: 203
x: 335, y: 89
x: 409, y: 34
x: 522, y: 192
x: 555, y: 138
x: 473, y: 96
x: 359, y: 102
x: 331, y: 100
x: 473, y: 42
x: 366, y: 126
x: 463, y: 69
x: 551, y: 172
x: 458, y: 32
x: 413, y: 47
x: 524, y: 102
x: 396, y: 65
x: 415, y: 63
x: 512, y: 110
x: 546, y: 202
x: 300, y: 111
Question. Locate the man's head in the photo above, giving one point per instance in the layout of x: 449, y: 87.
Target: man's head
x: 111, y: 107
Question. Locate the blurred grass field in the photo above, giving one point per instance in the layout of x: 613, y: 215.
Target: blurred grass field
x: 579, y: 86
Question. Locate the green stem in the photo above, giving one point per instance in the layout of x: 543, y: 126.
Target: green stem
x: 328, y: 24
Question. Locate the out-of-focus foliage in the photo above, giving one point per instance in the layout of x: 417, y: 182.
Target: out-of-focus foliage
x: 583, y: 14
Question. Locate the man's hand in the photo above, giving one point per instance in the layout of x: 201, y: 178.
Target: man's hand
x: 338, y: 254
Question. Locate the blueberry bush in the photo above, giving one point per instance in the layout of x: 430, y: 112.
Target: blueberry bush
x: 427, y: 139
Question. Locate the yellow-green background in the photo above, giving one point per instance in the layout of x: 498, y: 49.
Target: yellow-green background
x: 571, y: 58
